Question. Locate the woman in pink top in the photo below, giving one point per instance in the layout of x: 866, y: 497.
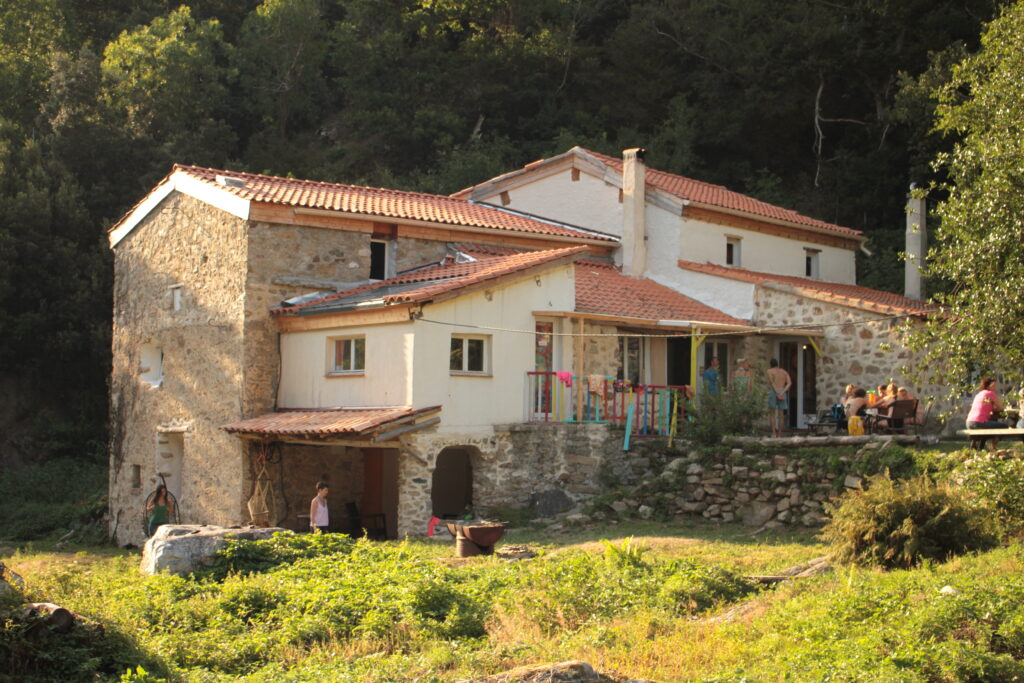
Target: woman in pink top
x: 985, y: 402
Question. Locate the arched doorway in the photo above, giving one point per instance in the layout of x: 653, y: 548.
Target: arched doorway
x: 451, y: 488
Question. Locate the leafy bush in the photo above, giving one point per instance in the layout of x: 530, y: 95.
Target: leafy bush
x: 897, y: 524
x: 997, y: 480
x: 245, y: 556
x: 720, y: 414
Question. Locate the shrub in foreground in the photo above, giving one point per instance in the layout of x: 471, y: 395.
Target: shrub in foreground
x: 997, y: 480
x: 897, y: 524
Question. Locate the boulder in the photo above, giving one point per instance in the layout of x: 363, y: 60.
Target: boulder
x: 551, y: 502
x: 184, y: 548
x: 757, y: 513
x: 562, y: 672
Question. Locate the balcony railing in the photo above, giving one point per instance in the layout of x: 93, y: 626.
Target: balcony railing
x: 657, y: 410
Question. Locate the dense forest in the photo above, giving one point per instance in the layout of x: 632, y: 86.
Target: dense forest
x: 819, y: 105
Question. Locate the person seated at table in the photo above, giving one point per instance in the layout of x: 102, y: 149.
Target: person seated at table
x: 888, y: 395
x: 857, y: 405
x: 847, y: 395
x: 985, y: 402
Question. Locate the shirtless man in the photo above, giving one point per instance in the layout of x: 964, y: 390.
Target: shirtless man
x: 778, y: 397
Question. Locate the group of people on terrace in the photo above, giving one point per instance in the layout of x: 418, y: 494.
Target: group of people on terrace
x: 858, y: 403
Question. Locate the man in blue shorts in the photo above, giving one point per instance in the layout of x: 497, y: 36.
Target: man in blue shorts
x: 778, y: 398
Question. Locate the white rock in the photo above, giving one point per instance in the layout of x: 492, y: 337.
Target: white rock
x: 184, y: 548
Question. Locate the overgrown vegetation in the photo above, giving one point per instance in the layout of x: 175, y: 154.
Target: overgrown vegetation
x: 379, y: 612
x: 52, y: 499
x: 330, y: 592
x: 900, y: 523
x: 722, y: 413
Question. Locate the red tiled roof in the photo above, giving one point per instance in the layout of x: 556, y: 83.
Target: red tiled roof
x: 720, y: 196
x: 601, y: 289
x: 373, y: 201
x: 834, y: 292
x: 345, y: 421
x: 447, y: 278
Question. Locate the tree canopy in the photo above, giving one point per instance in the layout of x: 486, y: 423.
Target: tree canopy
x: 817, y: 106
x: 979, y: 249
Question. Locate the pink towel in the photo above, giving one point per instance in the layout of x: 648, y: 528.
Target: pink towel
x: 430, y: 526
x: 565, y: 378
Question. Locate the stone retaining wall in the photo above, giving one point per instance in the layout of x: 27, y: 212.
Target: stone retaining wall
x: 753, y: 488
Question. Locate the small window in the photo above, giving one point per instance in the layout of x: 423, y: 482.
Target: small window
x: 468, y: 354
x: 732, y: 251
x: 811, y: 263
x: 349, y: 355
x: 136, y: 476
x: 151, y: 365
x: 175, y: 297
x: 381, y: 259
x: 632, y: 352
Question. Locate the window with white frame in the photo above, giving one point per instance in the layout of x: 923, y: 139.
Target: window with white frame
x: 348, y: 355
x: 732, y: 251
x: 469, y: 354
x: 811, y: 265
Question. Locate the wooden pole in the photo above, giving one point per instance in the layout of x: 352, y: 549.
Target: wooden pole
x: 579, y: 371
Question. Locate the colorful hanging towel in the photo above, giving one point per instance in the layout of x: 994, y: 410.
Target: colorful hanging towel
x: 565, y: 378
x: 431, y: 525
x: 595, y: 384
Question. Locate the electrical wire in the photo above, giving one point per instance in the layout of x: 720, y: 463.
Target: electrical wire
x: 681, y: 335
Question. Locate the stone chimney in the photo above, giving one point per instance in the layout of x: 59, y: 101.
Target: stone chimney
x: 634, y: 215
x: 917, y: 247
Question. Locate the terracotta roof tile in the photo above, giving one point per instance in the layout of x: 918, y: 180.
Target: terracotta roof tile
x: 720, y: 196
x: 601, y: 289
x: 342, y: 421
x: 834, y: 292
x: 441, y: 279
x: 379, y: 202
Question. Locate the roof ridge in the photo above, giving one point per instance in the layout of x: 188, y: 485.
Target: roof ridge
x: 324, y: 183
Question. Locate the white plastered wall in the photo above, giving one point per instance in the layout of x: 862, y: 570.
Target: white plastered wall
x: 498, y: 397
x: 704, y: 242
x: 386, y: 381
x: 589, y: 202
x: 407, y: 363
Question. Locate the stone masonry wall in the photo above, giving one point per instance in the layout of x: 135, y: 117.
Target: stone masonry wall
x: 517, y: 464
x: 188, y: 244
x: 859, y: 347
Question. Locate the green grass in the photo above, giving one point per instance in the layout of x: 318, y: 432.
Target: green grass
x: 402, y: 611
x: 664, y: 601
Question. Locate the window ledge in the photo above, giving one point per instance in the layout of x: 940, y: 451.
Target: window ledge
x: 345, y: 373
x: 459, y: 373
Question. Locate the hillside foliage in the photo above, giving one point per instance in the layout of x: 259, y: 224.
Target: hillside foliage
x: 816, y: 106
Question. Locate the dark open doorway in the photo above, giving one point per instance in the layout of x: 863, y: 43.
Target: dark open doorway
x: 678, y: 365
x: 451, y: 490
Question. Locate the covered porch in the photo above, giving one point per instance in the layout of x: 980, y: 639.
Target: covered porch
x: 355, y: 451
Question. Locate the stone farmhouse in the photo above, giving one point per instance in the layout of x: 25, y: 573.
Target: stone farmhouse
x: 427, y: 354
